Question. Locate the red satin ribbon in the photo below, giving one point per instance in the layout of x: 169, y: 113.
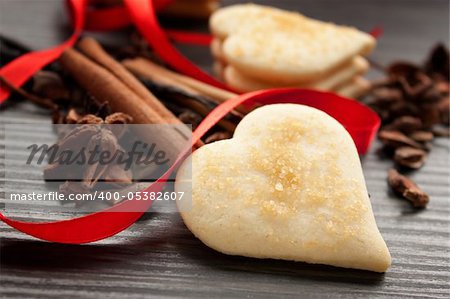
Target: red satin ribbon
x: 113, y: 18
x: 143, y: 15
x: 199, y: 39
x: 21, y: 69
x: 361, y: 122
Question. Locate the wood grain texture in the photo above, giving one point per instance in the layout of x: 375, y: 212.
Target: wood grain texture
x: 159, y: 257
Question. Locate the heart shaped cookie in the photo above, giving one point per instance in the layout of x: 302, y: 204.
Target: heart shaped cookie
x: 288, y: 185
x: 273, y: 45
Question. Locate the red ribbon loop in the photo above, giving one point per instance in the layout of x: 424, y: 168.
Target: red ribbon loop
x: 361, y: 122
x: 17, y: 72
x: 143, y: 15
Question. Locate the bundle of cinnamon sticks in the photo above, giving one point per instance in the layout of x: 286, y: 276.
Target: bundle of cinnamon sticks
x: 111, y: 82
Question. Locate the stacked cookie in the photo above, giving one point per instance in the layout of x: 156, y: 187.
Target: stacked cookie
x: 258, y: 47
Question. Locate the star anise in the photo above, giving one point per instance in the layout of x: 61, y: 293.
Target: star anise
x: 93, y: 134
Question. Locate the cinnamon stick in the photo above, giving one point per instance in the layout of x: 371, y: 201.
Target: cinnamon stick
x: 158, y: 78
x: 106, y: 87
x: 94, y: 51
x: 141, y: 69
x: 144, y: 65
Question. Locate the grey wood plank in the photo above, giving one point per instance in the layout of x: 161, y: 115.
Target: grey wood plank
x: 159, y: 257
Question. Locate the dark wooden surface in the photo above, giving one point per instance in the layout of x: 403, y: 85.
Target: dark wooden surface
x: 159, y: 257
